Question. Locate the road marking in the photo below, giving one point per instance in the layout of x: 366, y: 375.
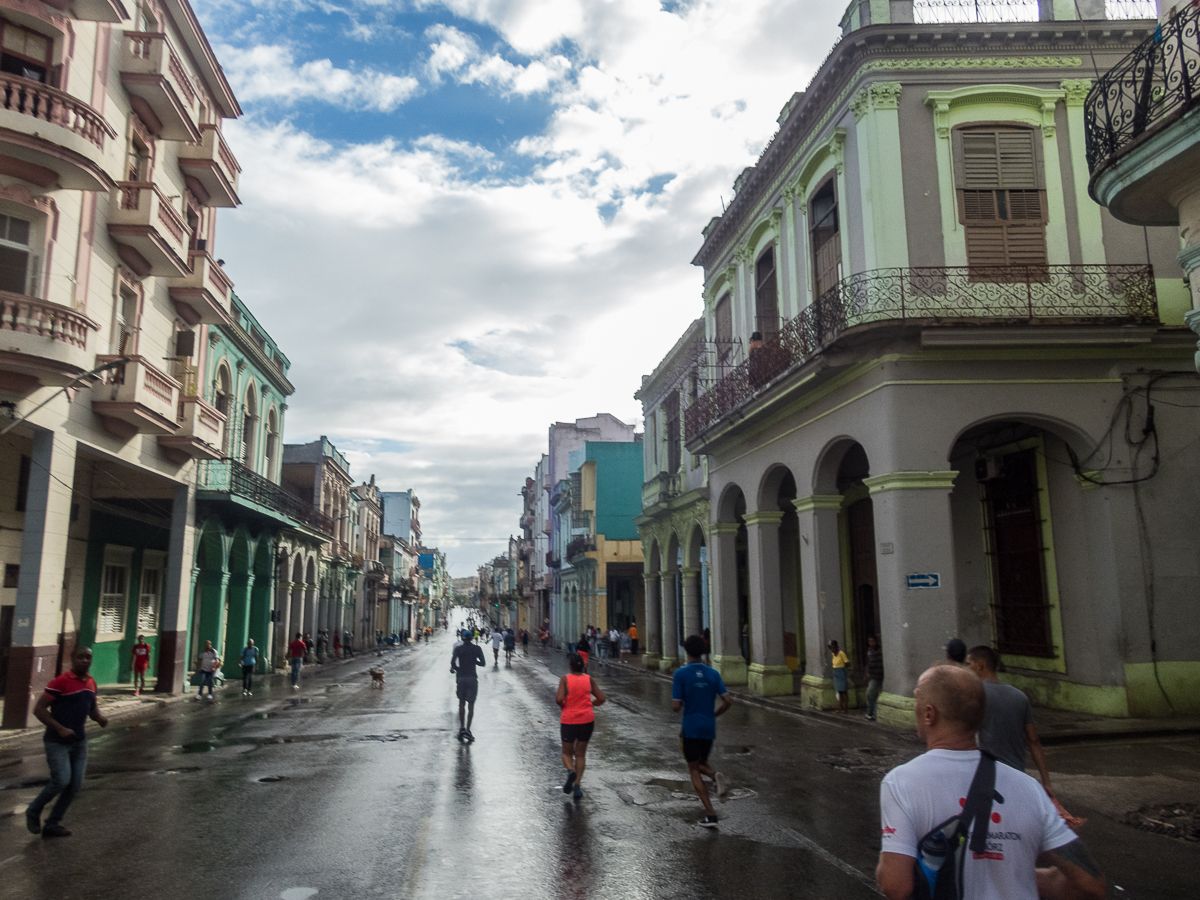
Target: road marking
x: 834, y: 861
x: 418, y: 858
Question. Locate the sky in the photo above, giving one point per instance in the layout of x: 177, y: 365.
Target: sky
x: 464, y: 220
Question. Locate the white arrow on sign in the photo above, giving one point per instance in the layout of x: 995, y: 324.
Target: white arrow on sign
x: 926, y: 580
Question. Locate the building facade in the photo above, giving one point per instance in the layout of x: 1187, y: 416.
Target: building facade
x: 112, y: 167
x: 957, y: 393
x: 674, y: 521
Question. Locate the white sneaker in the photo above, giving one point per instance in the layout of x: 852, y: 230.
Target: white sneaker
x: 212, y: 697
x: 248, y: 694
x: 295, y: 687
x: 722, y: 787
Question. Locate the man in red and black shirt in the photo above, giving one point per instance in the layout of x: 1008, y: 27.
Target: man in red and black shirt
x: 69, y: 700
x: 141, y: 662
x: 297, y: 650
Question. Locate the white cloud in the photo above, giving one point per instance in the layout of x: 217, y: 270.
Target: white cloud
x: 456, y: 54
x: 270, y: 72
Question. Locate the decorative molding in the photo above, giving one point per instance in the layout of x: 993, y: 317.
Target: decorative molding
x: 1089, y: 481
x: 861, y: 104
x: 818, y: 502
x: 1039, y: 100
x: 910, y: 481
x: 743, y: 253
x: 723, y: 528
x: 764, y: 517
x: 886, y: 94
x: 837, y: 149
x: 974, y: 62
x: 689, y: 571
x: 1189, y: 259
x: 1077, y: 90
x: 790, y: 193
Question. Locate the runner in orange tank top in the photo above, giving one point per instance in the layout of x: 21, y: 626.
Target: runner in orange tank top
x: 577, y: 696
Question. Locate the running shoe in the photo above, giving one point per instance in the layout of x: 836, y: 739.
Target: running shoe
x: 33, y: 821
x: 570, y: 782
x: 722, y: 787
x: 708, y: 822
x: 577, y: 793
x: 53, y: 831
x: 470, y: 738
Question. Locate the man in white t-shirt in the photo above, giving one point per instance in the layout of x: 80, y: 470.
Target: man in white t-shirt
x: 497, y: 640
x: 920, y: 795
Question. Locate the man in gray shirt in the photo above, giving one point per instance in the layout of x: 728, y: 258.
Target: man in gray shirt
x: 1007, y: 727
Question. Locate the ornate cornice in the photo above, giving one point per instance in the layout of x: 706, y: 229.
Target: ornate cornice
x: 1077, y: 90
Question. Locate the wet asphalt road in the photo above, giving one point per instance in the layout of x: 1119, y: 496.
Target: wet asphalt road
x: 338, y: 790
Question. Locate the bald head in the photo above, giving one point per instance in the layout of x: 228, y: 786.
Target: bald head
x: 957, y: 695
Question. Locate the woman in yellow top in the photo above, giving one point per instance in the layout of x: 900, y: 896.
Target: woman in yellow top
x: 841, y: 662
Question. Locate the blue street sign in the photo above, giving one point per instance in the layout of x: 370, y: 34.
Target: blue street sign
x: 926, y: 580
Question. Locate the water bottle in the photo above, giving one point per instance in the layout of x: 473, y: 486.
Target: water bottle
x: 931, y: 854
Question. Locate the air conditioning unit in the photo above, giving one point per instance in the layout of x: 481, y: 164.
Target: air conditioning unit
x: 989, y: 468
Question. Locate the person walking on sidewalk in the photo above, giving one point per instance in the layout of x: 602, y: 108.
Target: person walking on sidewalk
x: 633, y: 637
x: 296, y: 654
x: 141, y: 662
x: 466, y: 657
x: 921, y: 803
x: 249, y: 661
x: 841, y: 683
x: 210, y: 661
x: 510, y: 645
x: 525, y: 641
x: 497, y: 640
x: 874, y: 675
x: 577, y: 697
x: 66, y: 704
x: 1007, y: 729
x: 695, y: 690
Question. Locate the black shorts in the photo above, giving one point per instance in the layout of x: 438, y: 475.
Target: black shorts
x: 468, y: 689
x: 696, y: 749
x: 580, y: 732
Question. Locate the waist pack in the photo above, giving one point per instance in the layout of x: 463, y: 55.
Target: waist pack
x: 942, y: 853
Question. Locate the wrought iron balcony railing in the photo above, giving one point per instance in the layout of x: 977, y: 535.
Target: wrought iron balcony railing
x: 231, y: 477
x: 1120, y: 294
x: 1149, y: 89
x: 581, y: 545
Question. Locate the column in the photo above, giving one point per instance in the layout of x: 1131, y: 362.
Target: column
x: 651, y: 629
x: 177, y: 596
x: 794, y: 301
x: 1189, y: 256
x: 282, y: 632
x: 38, y: 613
x: 722, y: 587
x: 237, y: 629
x: 769, y: 673
x: 912, y: 514
x: 691, y: 601
x: 821, y: 574
x: 670, y: 623
x: 211, y: 591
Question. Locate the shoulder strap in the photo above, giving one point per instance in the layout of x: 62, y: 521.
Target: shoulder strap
x: 977, y: 811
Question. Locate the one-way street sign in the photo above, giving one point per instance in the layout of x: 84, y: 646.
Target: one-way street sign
x: 925, y: 580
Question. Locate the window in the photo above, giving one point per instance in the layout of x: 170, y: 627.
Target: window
x: 249, y: 425
x: 12, y: 575
x: 17, y: 265
x: 724, y: 333
x: 114, y: 589
x: 128, y: 315
x: 1001, y: 197
x: 272, y: 445
x: 148, y: 600
x: 1016, y: 547
x: 24, y: 53
x: 766, y: 295
x: 825, y: 239
x: 671, y: 408
x: 23, y: 483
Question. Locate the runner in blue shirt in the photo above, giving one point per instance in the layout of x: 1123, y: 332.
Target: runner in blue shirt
x: 695, y: 691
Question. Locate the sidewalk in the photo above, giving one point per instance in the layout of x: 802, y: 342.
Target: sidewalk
x: 1055, y: 726
x: 118, y: 702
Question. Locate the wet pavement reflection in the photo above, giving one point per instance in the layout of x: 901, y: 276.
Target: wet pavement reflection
x: 342, y: 791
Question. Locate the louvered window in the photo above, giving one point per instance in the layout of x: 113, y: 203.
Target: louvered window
x: 1001, y: 198
x: 825, y: 238
x: 674, y: 445
x: 148, y: 601
x: 724, y: 333
x: 110, y: 618
x: 766, y: 294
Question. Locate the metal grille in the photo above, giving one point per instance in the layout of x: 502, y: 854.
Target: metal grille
x: 1149, y: 89
x: 932, y: 12
x: 963, y: 294
x: 231, y: 477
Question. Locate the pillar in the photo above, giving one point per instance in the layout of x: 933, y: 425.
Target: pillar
x: 237, y: 629
x: 651, y: 630
x: 769, y: 674
x: 821, y: 574
x: 178, y: 593
x: 722, y: 587
x: 668, y: 603
x: 912, y: 514
x: 283, y: 627
x: 211, y: 591
x: 38, y: 613
x: 1189, y: 256
x: 692, y: 616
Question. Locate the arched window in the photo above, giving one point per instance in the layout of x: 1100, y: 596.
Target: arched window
x: 766, y: 294
x: 221, y: 392
x: 272, y: 444
x: 249, y: 426
x: 723, y: 333
x: 825, y: 238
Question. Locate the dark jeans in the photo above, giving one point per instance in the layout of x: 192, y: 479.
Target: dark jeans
x: 297, y: 662
x: 247, y: 677
x: 67, y: 763
x: 206, y: 681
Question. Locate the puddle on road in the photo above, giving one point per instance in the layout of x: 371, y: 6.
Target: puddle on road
x: 272, y: 779
x: 182, y: 770
x: 381, y: 738
x: 207, y: 746
x: 865, y: 760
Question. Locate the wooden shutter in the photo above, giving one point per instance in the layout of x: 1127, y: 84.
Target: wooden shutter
x: 766, y: 294
x: 724, y: 330
x: 1001, y: 201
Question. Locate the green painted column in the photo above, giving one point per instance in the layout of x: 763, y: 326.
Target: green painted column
x: 237, y: 626
x: 211, y: 589
x: 877, y: 109
x: 260, y: 627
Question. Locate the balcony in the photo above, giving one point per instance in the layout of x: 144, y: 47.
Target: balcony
x: 151, y: 235
x: 585, y: 543
x: 110, y: 11
x: 201, y: 433
x: 934, y: 296
x: 229, y: 479
x: 57, y: 139
x: 137, y: 398
x: 1143, y: 131
x: 41, y: 343
x: 552, y: 561
x: 210, y: 169
x: 203, y: 294
x: 661, y: 488
x: 160, y: 91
